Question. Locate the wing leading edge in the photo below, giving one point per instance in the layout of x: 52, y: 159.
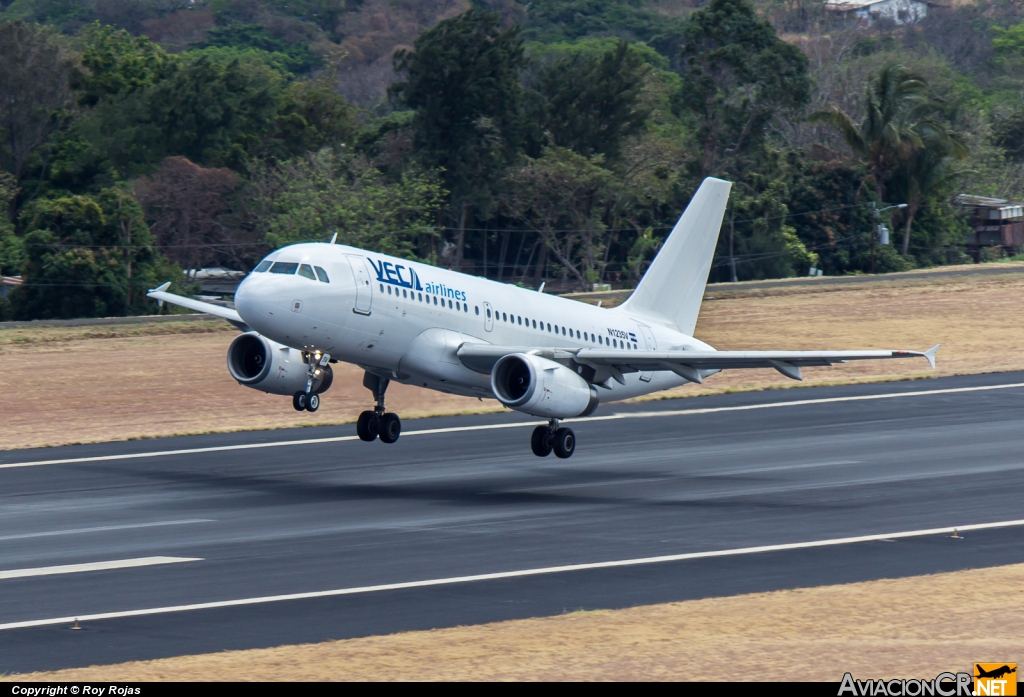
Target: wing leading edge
x: 687, y: 364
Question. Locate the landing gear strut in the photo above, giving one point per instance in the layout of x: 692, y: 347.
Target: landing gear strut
x: 317, y: 372
x: 378, y: 422
x: 551, y: 437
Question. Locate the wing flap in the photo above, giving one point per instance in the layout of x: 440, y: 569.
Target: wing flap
x: 786, y: 362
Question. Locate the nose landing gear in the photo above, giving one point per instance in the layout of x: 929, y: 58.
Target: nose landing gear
x: 318, y: 376
x: 551, y: 437
x: 378, y: 422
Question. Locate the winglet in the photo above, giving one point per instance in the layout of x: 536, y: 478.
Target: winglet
x: 160, y: 289
x: 930, y: 355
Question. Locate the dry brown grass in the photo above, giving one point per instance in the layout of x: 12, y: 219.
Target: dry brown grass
x: 908, y: 628
x: 83, y: 384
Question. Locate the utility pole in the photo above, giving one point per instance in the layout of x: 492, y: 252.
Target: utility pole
x: 875, y: 210
x: 732, y: 233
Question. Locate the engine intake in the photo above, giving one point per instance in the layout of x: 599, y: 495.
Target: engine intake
x: 257, y: 362
x: 541, y: 387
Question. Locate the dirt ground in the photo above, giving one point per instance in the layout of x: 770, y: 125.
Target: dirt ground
x: 904, y: 628
x: 84, y: 384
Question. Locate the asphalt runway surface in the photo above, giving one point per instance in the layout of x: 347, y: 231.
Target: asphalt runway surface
x: 191, y: 550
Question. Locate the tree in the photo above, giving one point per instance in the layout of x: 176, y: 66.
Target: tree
x: 901, y: 135
x: 316, y: 195
x: 115, y: 62
x: 462, y: 79
x: 893, y: 102
x: 561, y: 197
x: 12, y: 252
x: 593, y: 99
x: 34, y: 72
x: 191, y: 211
x: 79, y: 262
x: 737, y: 76
x: 926, y: 173
x: 214, y: 107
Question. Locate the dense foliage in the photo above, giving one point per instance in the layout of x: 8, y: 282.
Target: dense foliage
x: 552, y: 141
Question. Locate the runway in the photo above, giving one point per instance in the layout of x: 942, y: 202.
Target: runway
x: 206, y: 543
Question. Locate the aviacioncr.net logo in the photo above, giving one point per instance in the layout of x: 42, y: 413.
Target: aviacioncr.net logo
x: 942, y: 685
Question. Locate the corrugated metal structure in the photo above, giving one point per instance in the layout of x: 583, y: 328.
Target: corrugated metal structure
x: 997, y: 222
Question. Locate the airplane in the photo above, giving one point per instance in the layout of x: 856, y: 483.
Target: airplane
x: 306, y: 306
x: 996, y: 673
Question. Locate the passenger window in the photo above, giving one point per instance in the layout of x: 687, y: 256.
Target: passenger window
x: 389, y: 290
x: 262, y: 266
x: 284, y: 268
x: 585, y: 337
x: 465, y: 308
x: 549, y: 326
x: 381, y: 287
x: 578, y: 334
x: 403, y: 293
x: 477, y: 308
x: 488, y: 312
x: 435, y: 300
x: 504, y: 317
x: 534, y: 324
x: 600, y: 340
x: 457, y: 306
x: 421, y: 296
x: 520, y: 321
x: 321, y: 274
x: 563, y: 331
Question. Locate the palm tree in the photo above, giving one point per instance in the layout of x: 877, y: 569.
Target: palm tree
x: 886, y: 135
x: 927, y: 170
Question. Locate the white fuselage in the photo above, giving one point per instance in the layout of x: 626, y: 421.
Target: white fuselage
x: 406, y: 320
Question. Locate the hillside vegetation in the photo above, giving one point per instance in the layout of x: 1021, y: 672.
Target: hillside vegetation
x: 555, y: 141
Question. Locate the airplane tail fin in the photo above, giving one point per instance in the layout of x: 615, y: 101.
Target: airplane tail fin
x: 671, y: 291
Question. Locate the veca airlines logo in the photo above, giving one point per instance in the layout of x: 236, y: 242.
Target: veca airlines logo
x: 995, y: 679
x: 406, y: 277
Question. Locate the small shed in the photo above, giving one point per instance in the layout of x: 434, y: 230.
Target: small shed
x: 996, y: 222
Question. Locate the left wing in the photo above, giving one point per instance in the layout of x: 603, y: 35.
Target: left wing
x: 161, y: 295
x: 686, y: 364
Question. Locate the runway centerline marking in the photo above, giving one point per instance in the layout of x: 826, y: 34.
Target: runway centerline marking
x: 103, y: 528
x: 520, y: 424
x: 889, y: 537
x: 93, y: 566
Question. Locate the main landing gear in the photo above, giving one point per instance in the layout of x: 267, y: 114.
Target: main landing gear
x: 317, y: 373
x: 551, y: 437
x: 378, y: 422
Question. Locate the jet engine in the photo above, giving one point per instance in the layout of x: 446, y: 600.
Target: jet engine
x: 541, y: 387
x: 257, y: 362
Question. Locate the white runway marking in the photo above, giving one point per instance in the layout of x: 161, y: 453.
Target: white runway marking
x: 93, y: 566
x: 103, y: 528
x: 889, y: 537
x: 488, y: 427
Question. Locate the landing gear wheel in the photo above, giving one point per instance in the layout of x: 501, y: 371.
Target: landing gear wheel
x: 366, y: 426
x: 565, y: 443
x: 312, y: 402
x: 540, y: 441
x: 299, y: 401
x: 390, y: 428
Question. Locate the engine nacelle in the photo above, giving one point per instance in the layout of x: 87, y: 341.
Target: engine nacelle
x: 257, y: 362
x: 541, y: 387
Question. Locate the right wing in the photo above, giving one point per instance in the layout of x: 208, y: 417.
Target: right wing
x: 612, y: 364
x: 161, y: 295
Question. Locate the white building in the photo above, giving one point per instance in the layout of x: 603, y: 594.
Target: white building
x: 867, y: 11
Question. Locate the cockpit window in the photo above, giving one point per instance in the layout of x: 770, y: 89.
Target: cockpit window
x: 263, y: 266
x: 306, y: 271
x: 283, y: 267
x: 322, y: 275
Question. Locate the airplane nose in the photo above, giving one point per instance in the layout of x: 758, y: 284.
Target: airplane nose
x: 251, y: 297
